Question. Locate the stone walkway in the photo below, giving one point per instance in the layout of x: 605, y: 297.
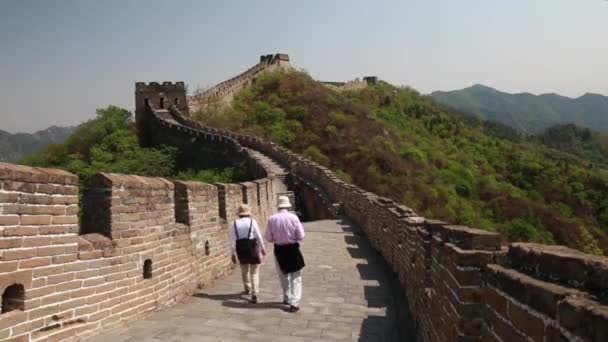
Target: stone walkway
x: 347, y: 296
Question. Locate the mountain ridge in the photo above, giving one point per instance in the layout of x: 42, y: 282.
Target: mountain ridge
x: 526, y: 112
x: 14, y: 146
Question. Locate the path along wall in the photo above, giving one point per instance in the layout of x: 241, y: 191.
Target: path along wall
x: 222, y: 93
x: 144, y: 243
x: 465, y: 284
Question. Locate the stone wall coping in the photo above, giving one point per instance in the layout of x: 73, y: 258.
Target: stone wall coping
x: 194, y: 185
x: 117, y: 180
x: 539, y: 295
x: 561, y: 264
x: 30, y: 174
x: 92, y: 241
x: 466, y: 237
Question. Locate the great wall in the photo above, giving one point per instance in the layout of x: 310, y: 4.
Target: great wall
x: 144, y: 244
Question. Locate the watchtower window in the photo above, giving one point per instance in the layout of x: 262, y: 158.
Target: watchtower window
x: 13, y: 298
x: 176, y: 101
x: 162, y: 103
x: 148, y: 269
x: 147, y: 102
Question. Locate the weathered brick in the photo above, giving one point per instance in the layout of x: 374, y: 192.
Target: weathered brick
x: 82, y: 292
x: 36, y: 220
x: 6, y: 243
x: 49, y: 251
x: 27, y: 327
x: 65, y: 239
x: 64, y: 259
x: 43, y: 311
x: 71, y: 285
x: 9, y: 197
x: 60, y: 278
x: 73, y: 304
x: 85, y: 310
x: 34, y: 199
x: 51, y: 230
x: 45, y: 271
x: 6, y: 267
x: 37, y: 241
x: 18, y: 254
x: 20, y: 186
x: 20, y: 231
x: 12, y: 318
x: 55, y: 298
x: 89, y: 255
x: 34, y: 262
x: 584, y: 317
x: 72, y: 219
x: 9, y: 220
x: 64, y: 200
x: 93, y: 282
x: 72, y: 210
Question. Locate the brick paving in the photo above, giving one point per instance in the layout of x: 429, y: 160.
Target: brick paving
x: 347, y: 296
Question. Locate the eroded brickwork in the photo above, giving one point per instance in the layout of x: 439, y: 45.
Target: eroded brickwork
x: 148, y: 243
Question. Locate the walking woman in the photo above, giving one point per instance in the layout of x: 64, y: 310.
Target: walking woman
x: 247, y: 244
x: 285, y: 230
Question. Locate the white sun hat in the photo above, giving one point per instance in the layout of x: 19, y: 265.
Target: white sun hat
x: 284, y: 202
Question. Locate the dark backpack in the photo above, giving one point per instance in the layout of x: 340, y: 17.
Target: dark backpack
x: 247, y: 249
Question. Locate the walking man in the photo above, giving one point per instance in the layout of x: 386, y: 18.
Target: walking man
x: 284, y: 229
x: 248, y: 246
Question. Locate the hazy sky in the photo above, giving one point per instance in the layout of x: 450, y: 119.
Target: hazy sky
x: 60, y: 60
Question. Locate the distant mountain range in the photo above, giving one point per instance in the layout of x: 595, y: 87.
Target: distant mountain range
x: 526, y: 112
x: 18, y: 145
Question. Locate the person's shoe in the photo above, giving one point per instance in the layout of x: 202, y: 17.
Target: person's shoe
x: 246, y: 292
x: 285, y: 302
x: 254, y: 299
x: 294, y: 308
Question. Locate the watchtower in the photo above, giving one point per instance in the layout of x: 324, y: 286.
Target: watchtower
x: 371, y: 80
x: 160, y: 96
x: 280, y: 59
x: 156, y: 96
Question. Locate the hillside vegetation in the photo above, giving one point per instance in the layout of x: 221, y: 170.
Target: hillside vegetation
x: 526, y: 112
x: 109, y: 143
x: 578, y: 141
x: 398, y: 144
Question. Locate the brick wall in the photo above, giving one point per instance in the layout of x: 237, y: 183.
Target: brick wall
x: 222, y: 93
x: 66, y: 286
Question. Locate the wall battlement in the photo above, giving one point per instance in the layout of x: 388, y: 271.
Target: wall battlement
x: 221, y: 94
x: 143, y: 243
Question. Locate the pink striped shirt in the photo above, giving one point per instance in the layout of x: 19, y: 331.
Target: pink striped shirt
x: 284, y: 228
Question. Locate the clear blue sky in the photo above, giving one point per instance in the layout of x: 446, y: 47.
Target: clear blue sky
x: 60, y: 60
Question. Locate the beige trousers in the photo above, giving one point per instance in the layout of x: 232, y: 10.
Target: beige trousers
x: 251, y: 278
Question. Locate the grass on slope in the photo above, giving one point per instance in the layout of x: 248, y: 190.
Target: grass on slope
x: 396, y: 143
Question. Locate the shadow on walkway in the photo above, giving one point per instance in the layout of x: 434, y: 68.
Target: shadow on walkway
x: 397, y: 324
x: 241, y: 302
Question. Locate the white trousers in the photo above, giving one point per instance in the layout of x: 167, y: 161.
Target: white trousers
x: 251, y: 278
x: 292, y: 286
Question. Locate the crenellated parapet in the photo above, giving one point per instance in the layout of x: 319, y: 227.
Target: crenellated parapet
x: 221, y: 94
x: 142, y: 243
x: 355, y: 84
